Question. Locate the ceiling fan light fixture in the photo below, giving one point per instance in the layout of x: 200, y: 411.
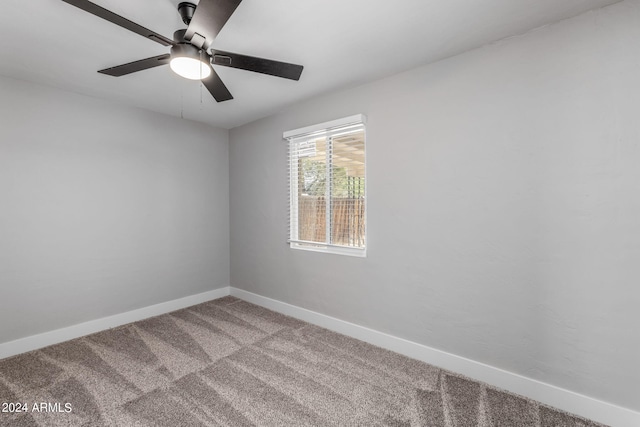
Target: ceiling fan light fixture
x: 185, y: 62
x: 190, y: 68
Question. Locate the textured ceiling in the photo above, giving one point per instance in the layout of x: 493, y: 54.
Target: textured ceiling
x: 341, y: 43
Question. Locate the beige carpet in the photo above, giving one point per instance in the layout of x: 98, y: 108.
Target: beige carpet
x: 231, y: 363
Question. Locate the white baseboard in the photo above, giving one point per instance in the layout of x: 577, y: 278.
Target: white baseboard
x: 35, y: 342
x: 557, y: 397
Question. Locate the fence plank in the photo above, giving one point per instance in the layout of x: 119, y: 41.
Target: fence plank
x: 347, y: 217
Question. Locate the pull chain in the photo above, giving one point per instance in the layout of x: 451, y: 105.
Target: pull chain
x: 201, y: 62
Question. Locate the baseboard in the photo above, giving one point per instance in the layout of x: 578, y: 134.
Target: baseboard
x: 557, y: 397
x: 35, y: 342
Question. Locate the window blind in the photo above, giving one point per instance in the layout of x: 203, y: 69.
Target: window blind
x: 327, y: 186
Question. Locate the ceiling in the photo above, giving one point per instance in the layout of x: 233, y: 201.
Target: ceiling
x: 341, y: 43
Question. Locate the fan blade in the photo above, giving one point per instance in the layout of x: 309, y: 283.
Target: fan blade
x: 209, y: 18
x: 103, y: 13
x: 132, y: 67
x: 216, y: 87
x: 258, y: 65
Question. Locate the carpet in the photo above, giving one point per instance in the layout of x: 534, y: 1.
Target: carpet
x: 231, y: 363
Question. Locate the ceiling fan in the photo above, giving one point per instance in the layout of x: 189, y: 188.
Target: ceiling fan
x: 190, y: 56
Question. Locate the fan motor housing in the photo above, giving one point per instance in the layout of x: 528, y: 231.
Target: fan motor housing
x: 178, y: 36
x: 185, y: 49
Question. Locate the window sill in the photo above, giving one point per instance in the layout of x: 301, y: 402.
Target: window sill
x: 336, y: 250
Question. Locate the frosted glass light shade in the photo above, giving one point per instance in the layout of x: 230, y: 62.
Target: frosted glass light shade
x: 190, y: 68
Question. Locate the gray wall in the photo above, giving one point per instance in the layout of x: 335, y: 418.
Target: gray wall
x: 503, y: 207
x: 104, y: 209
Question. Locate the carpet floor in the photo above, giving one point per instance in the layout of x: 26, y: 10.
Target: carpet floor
x: 231, y: 363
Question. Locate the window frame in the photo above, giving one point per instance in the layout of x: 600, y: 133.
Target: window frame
x: 329, y: 129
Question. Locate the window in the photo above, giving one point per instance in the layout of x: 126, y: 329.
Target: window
x: 327, y: 209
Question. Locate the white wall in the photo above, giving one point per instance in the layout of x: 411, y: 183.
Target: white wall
x: 503, y: 207
x: 104, y: 209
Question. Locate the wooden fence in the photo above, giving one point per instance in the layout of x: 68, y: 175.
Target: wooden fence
x: 347, y: 216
